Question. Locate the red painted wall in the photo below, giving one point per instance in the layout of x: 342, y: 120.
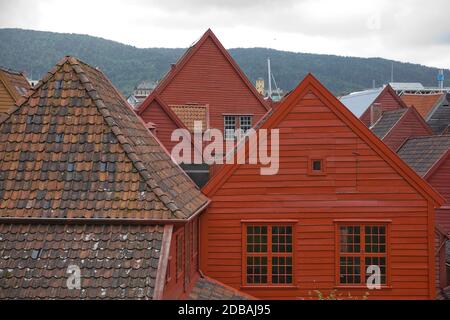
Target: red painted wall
x: 164, y: 125
x: 207, y: 78
x: 409, y: 126
x: 179, y: 285
x: 359, y: 184
x: 387, y: 101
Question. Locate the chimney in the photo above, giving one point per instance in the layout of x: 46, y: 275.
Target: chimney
x: 375, y: 113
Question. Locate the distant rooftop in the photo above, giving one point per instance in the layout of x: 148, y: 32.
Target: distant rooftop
x: 358, y: 102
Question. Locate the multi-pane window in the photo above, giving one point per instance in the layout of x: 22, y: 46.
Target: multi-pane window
x: 361, y: 246
x: 269, y: 254
x: 233, y: 123
x: 230, y: 127
x: 245, y: 123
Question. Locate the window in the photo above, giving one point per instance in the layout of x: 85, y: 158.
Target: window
x: 361, y: 246
x: 231, y: 125
x: 179, y: 262
x: 245, y: 123
x: 269, y: 254
x: 316, y: 166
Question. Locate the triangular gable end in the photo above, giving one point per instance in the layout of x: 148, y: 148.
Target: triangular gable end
x: 311, y: 85
x: 185, y: 58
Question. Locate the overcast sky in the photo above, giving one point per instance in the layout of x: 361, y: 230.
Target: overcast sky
x: 406, y: 30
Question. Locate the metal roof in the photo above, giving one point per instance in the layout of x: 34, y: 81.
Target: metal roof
x: 406, y: 86
x: 358, y: 102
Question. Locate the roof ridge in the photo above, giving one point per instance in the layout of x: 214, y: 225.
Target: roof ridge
x: 11, y: 71
x: 6, y: 115
x: 124, y: 142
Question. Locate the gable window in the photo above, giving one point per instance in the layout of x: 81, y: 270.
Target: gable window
x: 233, y: 123
x: 230, y: 127
x: 268, y: 254
x: 316, y: 166
x: 245, y: 123
x: 361, y: 246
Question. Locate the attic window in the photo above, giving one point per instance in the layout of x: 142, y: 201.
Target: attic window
x: 36, y: 253
x: 316, y: 166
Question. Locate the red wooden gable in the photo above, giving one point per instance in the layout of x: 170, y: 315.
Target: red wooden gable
x: 409, y: 125
x: 388, y: 100
x: 206, y: 75
x: 363, y: 183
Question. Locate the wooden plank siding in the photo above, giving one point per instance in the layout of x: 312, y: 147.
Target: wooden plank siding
x: 209, y: 78
x: 6, y: 100
x: 440, y: 180
x: 409, y: 126
x: 388, y: 100
x: 359, y: 184
x: 164, y: 124
x: 205, y: 75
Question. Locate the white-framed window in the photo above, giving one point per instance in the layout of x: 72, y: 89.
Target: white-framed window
x: 245, y: 123
x: 233, y: 123
x: 230, y: 127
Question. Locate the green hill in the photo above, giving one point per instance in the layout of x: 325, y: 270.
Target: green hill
x: 36, y: 52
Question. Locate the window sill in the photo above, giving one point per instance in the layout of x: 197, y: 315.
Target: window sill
x: 263, y: 287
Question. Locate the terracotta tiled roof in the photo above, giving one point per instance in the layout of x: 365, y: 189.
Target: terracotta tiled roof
x: 209, y: 289
x: 115, y: 261
x: 190, y: 113
x: 422, y: 102
x: 423, y: 152
x: 387, y: 122
x: 16, y: 81
x: 74, y: 148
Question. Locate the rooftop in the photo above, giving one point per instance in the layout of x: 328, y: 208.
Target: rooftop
x: 76, y: 149
x: 422, y: 153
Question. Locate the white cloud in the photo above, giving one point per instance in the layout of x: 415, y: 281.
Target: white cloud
x: 406, y: 30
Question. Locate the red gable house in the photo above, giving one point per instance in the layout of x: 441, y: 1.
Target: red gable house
x: 368, y: 105
x: 206, y: 76
x: 84, y: 184
x: 394, y: 127
x: 341, y: 201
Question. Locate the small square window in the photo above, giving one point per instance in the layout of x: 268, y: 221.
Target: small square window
x: 317, y: 165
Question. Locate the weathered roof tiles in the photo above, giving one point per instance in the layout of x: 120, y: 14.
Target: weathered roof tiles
x: 75, y: 149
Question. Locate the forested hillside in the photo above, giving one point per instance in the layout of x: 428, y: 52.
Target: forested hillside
x: 36, y: 52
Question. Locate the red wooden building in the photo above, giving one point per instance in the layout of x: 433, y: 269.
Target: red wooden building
x: 394, y: 127
x: 342, y: 200
x: 206, y: 76
x: 84, y: 183
x: 368, y: 105
x: 430, y: 158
